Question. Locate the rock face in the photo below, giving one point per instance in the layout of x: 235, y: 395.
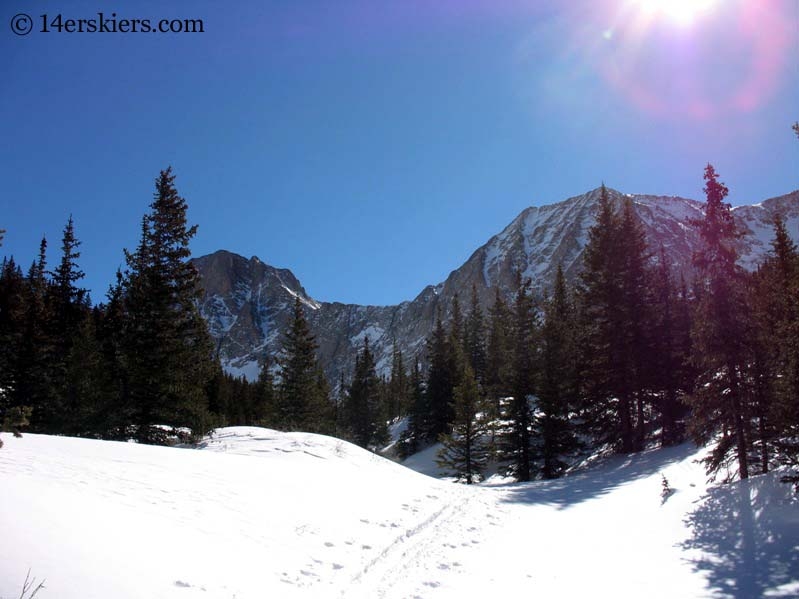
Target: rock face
x: 248, y: 303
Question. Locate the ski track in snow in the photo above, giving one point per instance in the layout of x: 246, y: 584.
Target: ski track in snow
x: 258, y: 513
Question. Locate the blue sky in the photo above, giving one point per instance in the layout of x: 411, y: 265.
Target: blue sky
x: 371, y: 145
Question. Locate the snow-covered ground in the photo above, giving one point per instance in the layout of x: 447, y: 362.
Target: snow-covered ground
x: 257, y: 513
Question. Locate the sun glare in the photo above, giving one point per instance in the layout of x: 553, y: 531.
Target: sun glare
x: 681, y: 12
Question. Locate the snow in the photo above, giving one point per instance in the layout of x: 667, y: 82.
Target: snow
x: 258, y: 513
x: 374, y: 332
x: 310, y: 303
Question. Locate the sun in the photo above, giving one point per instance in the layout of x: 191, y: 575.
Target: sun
x: 680, y: 12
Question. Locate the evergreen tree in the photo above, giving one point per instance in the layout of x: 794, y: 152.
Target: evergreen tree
x: 12, y: 327
x: 415, y: 433
x: 34, y: 381
x: 498, y: 353
x: 264, y: 392
x: 166, y: 345
x: 516, y: 441
x: 607, y: 409
x: 671, y: 329
x: 464, y: 451
x: 558, y: 386
x: 365, y: 424
x: 70, y: 310
x: 439, y: 382
x: 474, y: 338
x: 298, y: 389
x: 397, y: 385
x: 720, y: 334
x: 779, y: 330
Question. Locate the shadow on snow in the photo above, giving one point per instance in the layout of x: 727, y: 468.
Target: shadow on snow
x: 748, y: 534
x: 598, y: 480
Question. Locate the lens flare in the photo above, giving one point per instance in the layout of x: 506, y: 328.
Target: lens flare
x: 680, y: 12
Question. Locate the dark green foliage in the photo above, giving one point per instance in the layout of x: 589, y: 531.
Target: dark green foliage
x: 302, y: 394
x: 558, y: 384
x: 720, y: 334
x: 498, y: 354
x: 464, y: 451
x: 397, y: 388
x: 474, y: 338
x: 413, y: 437
x: 670, y: 375
x: 516, y: 438
x: 777, y: 300
x: 165, y: 343
x: 614, y: 343
x: 439, y: 383
x: 364, y: 414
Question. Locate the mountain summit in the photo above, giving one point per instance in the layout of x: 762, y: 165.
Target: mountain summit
x: 248, y: 303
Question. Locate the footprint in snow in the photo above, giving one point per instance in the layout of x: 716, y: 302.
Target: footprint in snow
x: 329, y: 544
x: 366, y: 547
x: 182, y: 585
x: 432, y: 584
x: 337, y: 566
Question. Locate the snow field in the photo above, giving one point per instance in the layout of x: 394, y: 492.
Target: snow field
x: 258, y: 513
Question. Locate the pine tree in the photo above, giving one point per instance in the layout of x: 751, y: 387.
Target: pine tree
x: 607, y: 410
x: 464, y: 451
x: 34, y: 376
x: 558, y: 386
x: 439, y: 382
x: 778, y: 296
x: 416, y: 431
x: 12, y: 327
x: 720, y: 333
x: 298, y: 380
x: 668, y: 367
x: 397, y: 385
x: 365, y: 425
x: 70, y: 309
x: 166, y: 345
x: 516, y: 440
x: 474, y: 338
x: 498, y: 353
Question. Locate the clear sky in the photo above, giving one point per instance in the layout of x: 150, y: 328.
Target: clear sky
x: 372, y: 145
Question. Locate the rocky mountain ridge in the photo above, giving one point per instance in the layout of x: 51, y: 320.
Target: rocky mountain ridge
x: 248, y: 303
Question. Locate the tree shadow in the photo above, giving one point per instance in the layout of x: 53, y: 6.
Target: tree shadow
x: 748, y: 534
x: 598, y: 480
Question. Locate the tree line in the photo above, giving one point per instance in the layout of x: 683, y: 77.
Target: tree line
x: 626, y: 357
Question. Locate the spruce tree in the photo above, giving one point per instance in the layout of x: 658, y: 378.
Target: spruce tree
x: 607, y: 406
x: 720, y: 333
x: 668, y: 368
x: 397, y: 385
x: 516, y: 440
x: 34, y: 376
x: 414, y: 434
x: 298, y: 382
x: 558, y: 385
x: 439, y: 382
x: 464, y: 451
x: 366, y: 425
x: 615, y: 322
x: 779, y: 329
x: 166, y: 345
x: 474, y: 338
x: 70, y: 309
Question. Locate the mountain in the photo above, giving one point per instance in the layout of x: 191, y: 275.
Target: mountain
x: 247, y: 303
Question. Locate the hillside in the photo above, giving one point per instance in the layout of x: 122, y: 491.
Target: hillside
x: 257, y: 513
x: 247, y: 303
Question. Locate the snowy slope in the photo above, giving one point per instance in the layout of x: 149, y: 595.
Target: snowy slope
x: 258, y: 513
